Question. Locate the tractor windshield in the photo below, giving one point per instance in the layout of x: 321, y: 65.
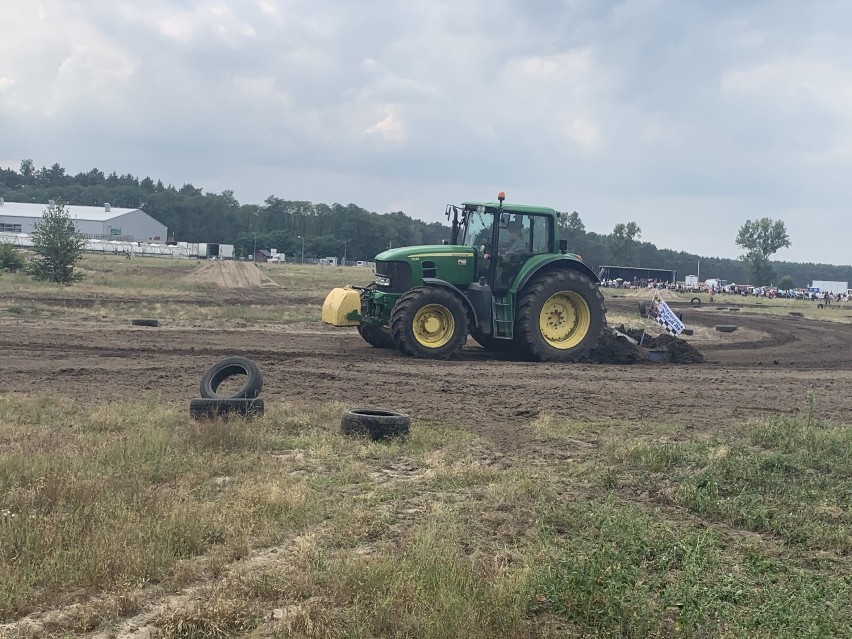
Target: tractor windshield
x: 477, y: 228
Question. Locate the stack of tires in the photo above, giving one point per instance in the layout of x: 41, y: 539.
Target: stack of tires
x: 242, y: 401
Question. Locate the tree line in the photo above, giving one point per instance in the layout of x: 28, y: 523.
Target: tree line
x: 321, y: 230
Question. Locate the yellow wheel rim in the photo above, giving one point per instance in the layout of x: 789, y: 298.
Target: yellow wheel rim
x: 565, y: 319
x: 433, y: 325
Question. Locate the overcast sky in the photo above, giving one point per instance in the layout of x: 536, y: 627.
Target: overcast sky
x: 687, y: 117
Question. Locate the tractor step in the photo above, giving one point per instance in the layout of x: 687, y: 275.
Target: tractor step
x: 504, y: 316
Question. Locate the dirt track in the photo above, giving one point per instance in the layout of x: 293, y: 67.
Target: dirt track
x: 767, y: 367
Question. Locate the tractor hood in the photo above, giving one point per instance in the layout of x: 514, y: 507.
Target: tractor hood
x: 406, y: 253
x: 401, y: 268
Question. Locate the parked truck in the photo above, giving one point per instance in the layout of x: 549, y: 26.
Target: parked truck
x: 824, y: 286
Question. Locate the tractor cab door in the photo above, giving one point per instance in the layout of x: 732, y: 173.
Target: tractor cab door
x: 520, y: 237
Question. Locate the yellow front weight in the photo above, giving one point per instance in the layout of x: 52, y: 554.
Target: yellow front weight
x: 433, y: 325
x: 565, y: 319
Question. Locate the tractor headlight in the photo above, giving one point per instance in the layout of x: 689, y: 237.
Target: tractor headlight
x: 382, y: 280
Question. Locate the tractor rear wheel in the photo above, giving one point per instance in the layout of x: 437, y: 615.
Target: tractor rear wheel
x: 429, y: 322
x: 559, y: 317
x: 375, y: 336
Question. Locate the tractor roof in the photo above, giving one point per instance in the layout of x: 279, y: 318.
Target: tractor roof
x: 513, y: 208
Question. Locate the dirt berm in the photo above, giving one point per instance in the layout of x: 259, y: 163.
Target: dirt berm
x: 228, y: 274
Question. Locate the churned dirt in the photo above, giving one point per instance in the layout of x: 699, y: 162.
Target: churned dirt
x: 230, y: 274
x: 766, y: 367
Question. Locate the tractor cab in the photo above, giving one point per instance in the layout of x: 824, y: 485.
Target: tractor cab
x: 505, y: 238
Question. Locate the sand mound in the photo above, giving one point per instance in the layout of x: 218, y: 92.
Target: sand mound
x: 229, y: 274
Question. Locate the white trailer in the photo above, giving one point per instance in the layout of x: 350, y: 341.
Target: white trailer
x: 835, y: 288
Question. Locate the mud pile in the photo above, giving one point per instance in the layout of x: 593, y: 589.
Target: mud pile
x: 229, y: 274
x: 612, y: 349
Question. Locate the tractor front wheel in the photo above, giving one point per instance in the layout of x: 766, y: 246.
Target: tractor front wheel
x: 560, y: 316
x: 429, y: 322
x: 375, y: 336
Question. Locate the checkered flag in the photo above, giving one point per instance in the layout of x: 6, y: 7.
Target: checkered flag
x: 665, y: 317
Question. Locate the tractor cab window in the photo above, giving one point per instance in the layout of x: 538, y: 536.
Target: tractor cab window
x: 524, y: 236
x: 477, y: 229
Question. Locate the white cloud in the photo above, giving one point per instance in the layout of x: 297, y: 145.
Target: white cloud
x: 389, y: 128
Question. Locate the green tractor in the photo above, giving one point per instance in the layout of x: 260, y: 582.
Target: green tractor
x: 504, y: 278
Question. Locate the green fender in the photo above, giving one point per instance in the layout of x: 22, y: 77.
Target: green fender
x: 536, y: 264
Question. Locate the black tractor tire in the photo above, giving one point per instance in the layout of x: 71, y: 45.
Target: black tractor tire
x: 373, y: 423
x: 643, y: 309
x: 726, y: 328
x: 375, y: 336
x: 696, y: 301
x: 228, y: 367
x: 687, y: 331
x: 415, y: 306
x: 144, y: 321
x: 205, y: 408
x: 531, y: 302
x: 490, y: 343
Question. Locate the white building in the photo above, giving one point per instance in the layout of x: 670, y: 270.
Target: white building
x: 93, y: 222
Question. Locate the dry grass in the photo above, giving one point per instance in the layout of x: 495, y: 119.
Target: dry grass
x: 281, y: 527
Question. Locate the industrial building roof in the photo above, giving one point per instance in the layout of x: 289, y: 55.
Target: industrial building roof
x: 91, y: 213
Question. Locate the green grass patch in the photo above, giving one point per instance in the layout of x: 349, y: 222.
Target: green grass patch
x: 788, y: 476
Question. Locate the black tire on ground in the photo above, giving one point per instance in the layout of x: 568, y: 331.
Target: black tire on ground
x: 687, y: 331
x: 228, y: 367
x: 375, y: 336
x: 542, y: 290
x: 141, y: 321
x: 429, y: 322
x: 695, y: 301
x: 492, y: 344
x: 206, y: 408
x: 726, y: 328
x: 643, y: 309
x: 680, y: 316
x: 373, y: 423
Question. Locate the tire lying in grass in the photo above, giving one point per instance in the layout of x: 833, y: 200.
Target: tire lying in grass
x: 205, y: 408
x: 726, y: 328
x: 695, y: 301
x: 141, y: 321
x: 229, y: 367
x: 643, y: 310
x: 687, y: 331
x: 374, y: 423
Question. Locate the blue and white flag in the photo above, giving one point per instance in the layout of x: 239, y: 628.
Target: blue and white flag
x: 665, y: 316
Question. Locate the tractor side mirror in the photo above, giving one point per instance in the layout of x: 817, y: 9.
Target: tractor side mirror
x: 563, y: 246
x: 504, y: 220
